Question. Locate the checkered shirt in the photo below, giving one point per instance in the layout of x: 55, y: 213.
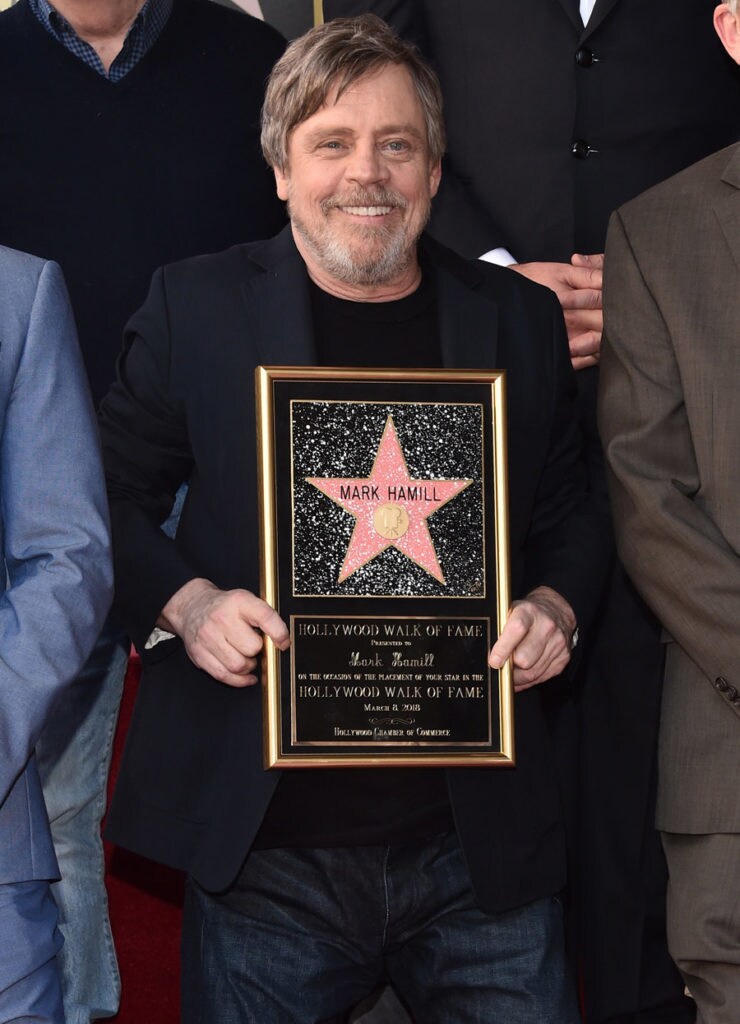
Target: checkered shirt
x: 144, y: 31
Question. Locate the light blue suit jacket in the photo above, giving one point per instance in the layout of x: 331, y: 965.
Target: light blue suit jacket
x: 56, y: 585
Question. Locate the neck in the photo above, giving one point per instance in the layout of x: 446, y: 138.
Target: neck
x: 101, y: 23
x: 406, y: 282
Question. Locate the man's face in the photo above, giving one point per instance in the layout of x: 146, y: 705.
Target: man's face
x: 359, y: 183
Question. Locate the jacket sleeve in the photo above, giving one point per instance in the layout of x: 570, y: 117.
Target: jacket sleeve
x: 56, y: 546
x: 569, y: 546
x: 682, y: 564
x: 146, y: 451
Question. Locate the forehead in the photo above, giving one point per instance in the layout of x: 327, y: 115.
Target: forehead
x: 376, y: 102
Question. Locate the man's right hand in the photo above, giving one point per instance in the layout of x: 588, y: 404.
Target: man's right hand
x: 222, y: 629
x: 578, y: 288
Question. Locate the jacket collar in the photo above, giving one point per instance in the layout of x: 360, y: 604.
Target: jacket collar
x: 599, y: 13
x: 280, y: 305
x: 572, y: 10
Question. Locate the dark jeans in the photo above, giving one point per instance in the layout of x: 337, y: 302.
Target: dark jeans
x: 305, y: 934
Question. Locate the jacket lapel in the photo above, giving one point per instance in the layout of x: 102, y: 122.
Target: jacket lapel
x: 727, y: 209
x: 600, y: 11
x: 572, y: 12
x: 279, y: 305
x: 468, y: 321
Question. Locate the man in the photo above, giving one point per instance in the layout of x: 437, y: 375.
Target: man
x: 131, y: 138
x: 470, y: 860
x: 668, y: 413
x: 558, y: 112
x: 56, y: 589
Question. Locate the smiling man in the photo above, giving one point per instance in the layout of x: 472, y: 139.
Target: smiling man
x: 359, y: 183
x: 308, y: 890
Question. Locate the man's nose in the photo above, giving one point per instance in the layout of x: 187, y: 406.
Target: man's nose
x: 366, y: 165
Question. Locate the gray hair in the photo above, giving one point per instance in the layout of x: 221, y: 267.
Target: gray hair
x: 337, y: 54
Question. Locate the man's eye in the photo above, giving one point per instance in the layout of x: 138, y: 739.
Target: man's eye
x: 397, y: 146
x: 331, y: 144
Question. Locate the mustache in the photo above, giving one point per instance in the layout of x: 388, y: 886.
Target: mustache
x: 366, y: 197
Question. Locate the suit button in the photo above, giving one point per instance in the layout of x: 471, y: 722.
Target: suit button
x: 732, y: 694
x: 721, y: 684
x: 585, y: 57
x: 581, y: 149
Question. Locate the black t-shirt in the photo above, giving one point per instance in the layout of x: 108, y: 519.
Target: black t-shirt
x: 348, y: 806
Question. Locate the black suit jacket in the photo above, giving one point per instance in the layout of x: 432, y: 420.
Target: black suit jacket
x: 653, y: 92
x: 192, y: 791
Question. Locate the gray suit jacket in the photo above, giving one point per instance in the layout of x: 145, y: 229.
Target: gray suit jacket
x: 55, y: 584
x: 670, y: 421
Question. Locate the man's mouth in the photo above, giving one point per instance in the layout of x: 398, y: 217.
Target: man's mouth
x: 366, y: 211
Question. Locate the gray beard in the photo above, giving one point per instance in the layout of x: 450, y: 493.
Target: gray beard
x: 338, y: 259
x: 343, y: 265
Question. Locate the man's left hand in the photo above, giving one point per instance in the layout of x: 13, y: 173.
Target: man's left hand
x: 537, y: 637
x: 578, y: 287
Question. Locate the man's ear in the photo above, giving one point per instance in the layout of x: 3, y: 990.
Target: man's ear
x: 281, y: 182
x: 435, y: 176
x: 727, y: 25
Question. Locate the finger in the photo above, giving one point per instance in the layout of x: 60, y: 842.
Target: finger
x: 532, y: 651
x: 236, y: 647
x: 531, y: 667
x: 581, y: 298
x: 583, y: 362
x: 594, y: 259
x: 515, y: 630
x: 213, y: 665
x: 227, y: 636
x: 260, y: 615
x: 524, y: 679
x: 583, y: 278
x: 586, y: 344
x: 579, y: 321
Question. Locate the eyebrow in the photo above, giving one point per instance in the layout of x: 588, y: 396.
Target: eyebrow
x: 391, y: 129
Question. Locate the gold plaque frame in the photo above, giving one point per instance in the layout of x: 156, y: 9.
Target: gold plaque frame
x: 430, y: 615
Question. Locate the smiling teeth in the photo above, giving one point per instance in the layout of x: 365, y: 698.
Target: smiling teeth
x: 367, y: 211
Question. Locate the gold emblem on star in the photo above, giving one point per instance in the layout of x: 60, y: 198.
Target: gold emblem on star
x: 390, y: 521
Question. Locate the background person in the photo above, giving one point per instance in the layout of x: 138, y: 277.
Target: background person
x: 668, y: 415
x: 558, y: 111
x: 56, y: 589
x: 130, y: 138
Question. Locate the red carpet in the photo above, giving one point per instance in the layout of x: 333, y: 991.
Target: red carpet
x: 145, y: 901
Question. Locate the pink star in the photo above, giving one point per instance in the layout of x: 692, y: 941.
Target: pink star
x: 390, y: 508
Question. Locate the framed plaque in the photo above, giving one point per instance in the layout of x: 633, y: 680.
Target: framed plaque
x: 384, y: 547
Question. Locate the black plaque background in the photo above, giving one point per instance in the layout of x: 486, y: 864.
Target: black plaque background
x: 436, y: 601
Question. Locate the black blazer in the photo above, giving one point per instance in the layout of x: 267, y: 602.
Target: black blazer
x: 647, y: 84
x: 192, y: 791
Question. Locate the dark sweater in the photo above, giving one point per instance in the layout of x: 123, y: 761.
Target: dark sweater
x: 114, y: 179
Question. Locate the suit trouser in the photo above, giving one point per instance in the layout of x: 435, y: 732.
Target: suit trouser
x: 29, y: 941
x: 628, y: 974
x: 73, y: 755
x: 704, y: 920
